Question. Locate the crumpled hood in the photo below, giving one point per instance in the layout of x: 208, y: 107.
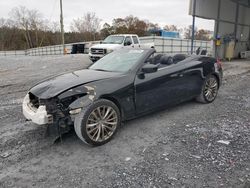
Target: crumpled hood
x: 54, y: 86
x: 107, y: 46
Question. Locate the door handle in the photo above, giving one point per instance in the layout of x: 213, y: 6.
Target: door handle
x: 176, y: 75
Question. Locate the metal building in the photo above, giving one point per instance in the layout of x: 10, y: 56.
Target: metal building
x: 232, y: 24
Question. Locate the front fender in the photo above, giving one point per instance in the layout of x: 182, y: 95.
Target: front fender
x: 81, y: 102
x: 84, y: 100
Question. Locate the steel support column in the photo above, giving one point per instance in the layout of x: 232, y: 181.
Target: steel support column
x: 217, y: 26
x: 236, y: 20
x: 249, y: 38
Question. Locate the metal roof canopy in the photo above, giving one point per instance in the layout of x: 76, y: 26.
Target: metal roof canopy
x: 222, y: 10
x: 231, y: 16
x: 245, y: 3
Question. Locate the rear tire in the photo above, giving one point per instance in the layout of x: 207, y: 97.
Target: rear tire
x: 97, y: 123
x: 209, y: 90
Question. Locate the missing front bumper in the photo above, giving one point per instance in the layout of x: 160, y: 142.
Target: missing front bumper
x: 38, y: 116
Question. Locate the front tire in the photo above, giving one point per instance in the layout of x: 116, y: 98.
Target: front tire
x: 97, y: 123
x: 209, y: 90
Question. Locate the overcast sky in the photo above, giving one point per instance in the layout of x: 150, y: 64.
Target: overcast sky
x: 156, y: 11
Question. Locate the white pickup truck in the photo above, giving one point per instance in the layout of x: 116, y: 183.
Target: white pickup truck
x: 115, y: 42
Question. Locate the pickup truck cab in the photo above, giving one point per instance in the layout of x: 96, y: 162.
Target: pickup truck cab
x: 114, y: 42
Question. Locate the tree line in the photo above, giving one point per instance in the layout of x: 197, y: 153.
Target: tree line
x: 26, y: 28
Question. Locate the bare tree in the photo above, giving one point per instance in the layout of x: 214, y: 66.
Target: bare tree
x: 20, y: 16
x: 170, y: 28
x: 199, y: 34
x: 2, y: 33
x: 6, y: 34
x: 88, y: 24
x: 130, y: 24
x: 106, y: 30
x: 152, y: 26
x: 188, y: 32
x: 2, y: 22
x: 54, y: 27
x: 203, y: 34
x: 78, y: 25
x: 29, y: 21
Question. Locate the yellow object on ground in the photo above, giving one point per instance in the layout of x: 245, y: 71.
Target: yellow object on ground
x: 218, y: 42
x: 230, y: 50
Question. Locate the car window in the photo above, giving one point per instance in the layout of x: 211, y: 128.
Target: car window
x: 128, y: 39
x: 119, y: 61
x: 113, y: 40
x: 135, y: 39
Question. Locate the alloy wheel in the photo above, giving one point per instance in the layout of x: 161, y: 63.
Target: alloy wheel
x: 211, y: 89
x: 101, y: 123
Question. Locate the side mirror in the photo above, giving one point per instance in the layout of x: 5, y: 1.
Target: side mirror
x: 149, y: 68
x: 127, y: 43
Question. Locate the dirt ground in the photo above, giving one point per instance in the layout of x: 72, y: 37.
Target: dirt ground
x: 190, y: 145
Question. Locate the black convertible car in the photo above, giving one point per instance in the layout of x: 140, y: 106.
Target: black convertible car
x: 123, y: 85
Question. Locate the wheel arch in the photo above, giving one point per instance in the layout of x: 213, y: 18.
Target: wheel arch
x: 87, y: 100
x: 115, y: 101
x: 217, y: 77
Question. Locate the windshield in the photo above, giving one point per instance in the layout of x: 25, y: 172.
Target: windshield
x: 113, y: 40
x: 119, y: 61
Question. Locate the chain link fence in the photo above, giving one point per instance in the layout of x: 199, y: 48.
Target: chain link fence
x: 173, y: 45
x: 161, y: 44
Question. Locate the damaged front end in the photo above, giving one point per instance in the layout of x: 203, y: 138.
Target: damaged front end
x: 56, y: 101
x: 54, y: 112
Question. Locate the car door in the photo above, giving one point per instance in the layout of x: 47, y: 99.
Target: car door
x: 162, y: 88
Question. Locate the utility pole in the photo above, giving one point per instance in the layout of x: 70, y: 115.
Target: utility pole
x: 193, y: 27
x: 62, y: 29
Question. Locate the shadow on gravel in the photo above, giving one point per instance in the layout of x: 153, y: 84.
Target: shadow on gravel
x: 69, y: 137
x: 66, y: 137
x: 164, y: 111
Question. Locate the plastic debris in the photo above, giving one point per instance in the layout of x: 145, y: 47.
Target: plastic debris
x: 227, y: 142
x: 5, y: 154
x: 196, y: 156
x: 172, y: 178
x: 241, y: 180
x: 127, y: 158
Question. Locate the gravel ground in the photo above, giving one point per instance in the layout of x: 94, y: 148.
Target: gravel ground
x: 190, y: 145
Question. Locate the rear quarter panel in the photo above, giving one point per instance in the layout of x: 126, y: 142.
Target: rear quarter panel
x: 196, y: 71
x: 210, y: 66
